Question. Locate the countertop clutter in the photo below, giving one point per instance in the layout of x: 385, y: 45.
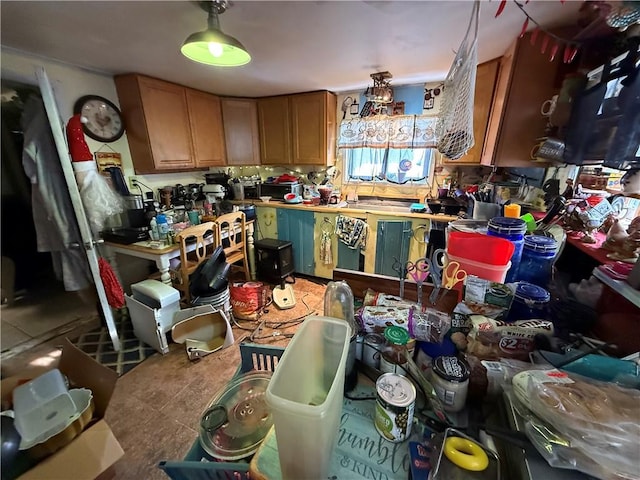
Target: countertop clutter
x: 475, y: 361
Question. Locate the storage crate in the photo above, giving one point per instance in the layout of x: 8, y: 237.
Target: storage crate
x: 198, y: 464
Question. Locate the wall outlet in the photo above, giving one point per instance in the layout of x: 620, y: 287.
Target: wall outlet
x: 133, y: 182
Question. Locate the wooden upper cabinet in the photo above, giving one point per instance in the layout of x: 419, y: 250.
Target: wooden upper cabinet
x: 170, y: 127
x: 526, y: 79
x: 275, y: 130
x: 313, y: 128
x: 298, y: 129
x: 486, y: 75
x: 205, y: 120
x: 157, y: 120
x: 240, y: 120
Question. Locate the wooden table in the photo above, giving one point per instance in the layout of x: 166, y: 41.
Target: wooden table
x: 162, y: 256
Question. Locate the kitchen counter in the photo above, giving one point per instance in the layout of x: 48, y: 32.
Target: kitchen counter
x: 361, y: 210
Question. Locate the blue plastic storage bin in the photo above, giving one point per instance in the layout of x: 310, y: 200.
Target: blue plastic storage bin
x: 198, y: 464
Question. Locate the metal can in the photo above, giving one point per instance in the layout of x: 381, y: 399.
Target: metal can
x: 371, y: 347
x: 396, y: 397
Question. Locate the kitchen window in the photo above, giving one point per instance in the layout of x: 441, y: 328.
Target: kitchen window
x: 396, y: 149
x: 394, y: 165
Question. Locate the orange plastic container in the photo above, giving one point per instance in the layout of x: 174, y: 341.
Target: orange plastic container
x: 495, y: 273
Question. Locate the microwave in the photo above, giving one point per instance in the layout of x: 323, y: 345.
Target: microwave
x: 277, y: 191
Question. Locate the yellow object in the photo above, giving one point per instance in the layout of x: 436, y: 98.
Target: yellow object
x: 466, y: 454
x: 512, y: 210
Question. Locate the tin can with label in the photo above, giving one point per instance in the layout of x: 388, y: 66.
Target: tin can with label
x: 371, y: 346
x: 395, y: 403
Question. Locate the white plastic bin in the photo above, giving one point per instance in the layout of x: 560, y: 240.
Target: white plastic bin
x: 42, y: 406
x: 152, y: 307
x: 305, y: 397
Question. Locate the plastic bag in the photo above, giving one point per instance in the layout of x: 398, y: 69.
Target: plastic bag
x: 581, y: 423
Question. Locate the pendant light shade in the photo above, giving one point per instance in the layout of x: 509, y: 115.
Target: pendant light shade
x: 212, y: 46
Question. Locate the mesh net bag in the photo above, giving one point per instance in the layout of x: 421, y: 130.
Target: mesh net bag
x: 454, y: 129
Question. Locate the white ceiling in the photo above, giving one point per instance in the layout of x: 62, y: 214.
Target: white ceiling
x: 295, y: 46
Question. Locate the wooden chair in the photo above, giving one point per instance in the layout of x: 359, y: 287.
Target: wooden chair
x: 189, y: 261
x: 231, y: 233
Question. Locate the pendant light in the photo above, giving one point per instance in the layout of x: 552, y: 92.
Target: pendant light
x: 212, y: 46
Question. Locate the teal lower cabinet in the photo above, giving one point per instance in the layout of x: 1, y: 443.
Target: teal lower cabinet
x: 349, y: 258
x: 297, y: 227
x: 392, y: 243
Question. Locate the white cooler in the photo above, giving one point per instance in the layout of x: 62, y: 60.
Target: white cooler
x: 152, y: 307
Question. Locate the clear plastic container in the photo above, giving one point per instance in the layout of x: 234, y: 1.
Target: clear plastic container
x: 338, y: 303
x: 42, y: 406
x: 538, y: 255
x: 305, y: 397
x: 513, y: 229
x: 530, y: 301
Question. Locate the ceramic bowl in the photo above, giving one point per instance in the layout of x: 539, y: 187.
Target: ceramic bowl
x: 265, y: 199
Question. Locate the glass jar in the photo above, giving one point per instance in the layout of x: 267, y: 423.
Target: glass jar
x: 530, y: 301
x: 538, y: 255
x: 450, y: 378
x: 394, y: 353
x: 338, y: 303
x: 513, y: 229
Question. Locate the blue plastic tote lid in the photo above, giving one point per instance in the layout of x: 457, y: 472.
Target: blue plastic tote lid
x: 507, y: 225
x: 540, y: 243
x: 530, y: 293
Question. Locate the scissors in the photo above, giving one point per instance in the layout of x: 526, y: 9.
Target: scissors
x: 435, y: 271
x: 449, y: 274
x: 419, y: 272
x: 401, y: 269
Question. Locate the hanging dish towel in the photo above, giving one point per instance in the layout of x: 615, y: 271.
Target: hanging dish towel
x: 326, y: 255
x: 352, y: 232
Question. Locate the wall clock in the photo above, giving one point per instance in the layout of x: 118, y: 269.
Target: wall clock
x: 104, y: 120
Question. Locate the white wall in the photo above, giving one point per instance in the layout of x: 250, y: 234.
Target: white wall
x: 69, y: 83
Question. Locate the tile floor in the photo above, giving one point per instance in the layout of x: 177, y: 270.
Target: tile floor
x: 155, y: 409
x: 43, y: 315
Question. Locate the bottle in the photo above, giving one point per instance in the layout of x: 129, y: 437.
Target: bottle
x: 153, y: 232
x: 338, y: 303
x: 163, y: 226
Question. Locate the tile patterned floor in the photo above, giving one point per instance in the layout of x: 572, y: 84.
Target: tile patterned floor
x: 97, y: 343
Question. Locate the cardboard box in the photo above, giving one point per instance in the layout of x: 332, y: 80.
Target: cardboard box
x: 93, y: 451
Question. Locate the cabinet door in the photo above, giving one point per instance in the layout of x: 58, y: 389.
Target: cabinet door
x: 240, y: 120
x: 274, y: 125
x: 486, y: 75
x: 309, y: 128
x: 297, y: 227
x: 205, y: 119
x: 167, y: 118
x: 390, y: 235
x: 526, y: 80
x: 267, y: 222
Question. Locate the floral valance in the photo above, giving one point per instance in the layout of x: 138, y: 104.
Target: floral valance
x: 382, y: 131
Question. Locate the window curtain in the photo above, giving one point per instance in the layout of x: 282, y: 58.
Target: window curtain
x: 381, y: 131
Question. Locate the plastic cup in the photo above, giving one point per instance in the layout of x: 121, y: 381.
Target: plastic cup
x: 512, y: 210
x: 305, y: 397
